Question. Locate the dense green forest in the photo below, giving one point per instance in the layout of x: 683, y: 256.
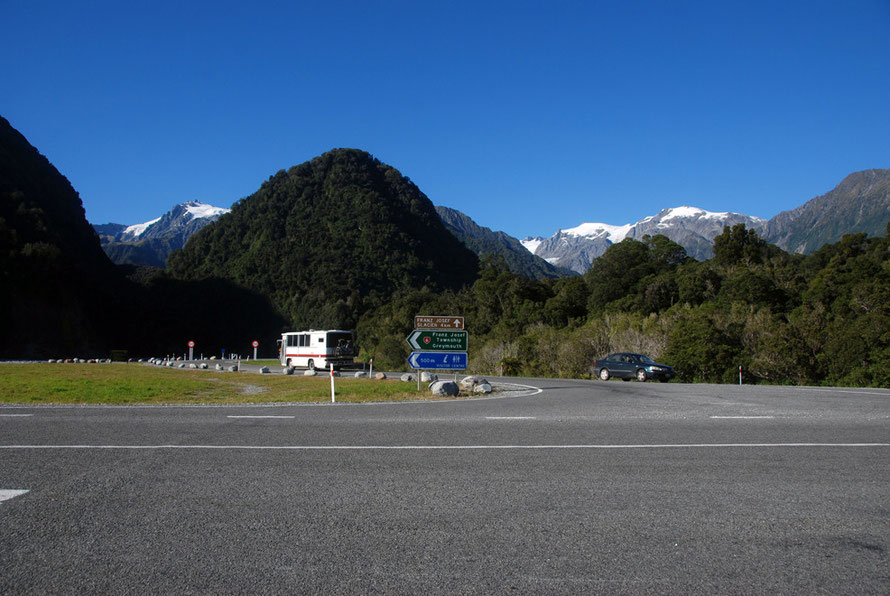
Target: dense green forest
x: 786, y: 319
x: 345, y: 241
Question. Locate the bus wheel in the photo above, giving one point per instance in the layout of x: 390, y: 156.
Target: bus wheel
x: 311, y: 364
x: 288, y: 363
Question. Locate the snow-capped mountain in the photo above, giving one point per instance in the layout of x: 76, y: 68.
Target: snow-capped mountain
x: 690, y: 227
x: 150, y: 243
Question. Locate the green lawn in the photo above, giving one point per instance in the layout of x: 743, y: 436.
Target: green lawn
x: 121, y: 383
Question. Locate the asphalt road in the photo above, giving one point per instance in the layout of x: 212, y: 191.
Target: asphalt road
x: 584, y: 487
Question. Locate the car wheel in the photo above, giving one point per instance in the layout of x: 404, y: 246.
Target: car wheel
x: 311, y: 364
x: 641, y: 376
x: 604, y: 374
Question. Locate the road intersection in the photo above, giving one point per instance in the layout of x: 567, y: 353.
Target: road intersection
x: 584, y: 486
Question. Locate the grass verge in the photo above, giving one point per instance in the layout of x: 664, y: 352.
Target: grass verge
x: 140, y: 384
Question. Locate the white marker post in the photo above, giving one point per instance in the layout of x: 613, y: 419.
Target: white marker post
x: 331, y: 364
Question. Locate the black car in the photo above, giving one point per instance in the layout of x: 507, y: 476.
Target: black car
x: 627, y: 366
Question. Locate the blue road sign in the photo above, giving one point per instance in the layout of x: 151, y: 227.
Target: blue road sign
x: 438, y: 360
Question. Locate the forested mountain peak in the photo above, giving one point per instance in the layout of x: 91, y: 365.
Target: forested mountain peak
x: 329, y: 238
x: 40, y: 203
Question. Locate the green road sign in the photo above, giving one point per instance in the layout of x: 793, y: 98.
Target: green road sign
x: 438, y: 341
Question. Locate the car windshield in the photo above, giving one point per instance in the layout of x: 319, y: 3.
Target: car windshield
x: 645, y: 359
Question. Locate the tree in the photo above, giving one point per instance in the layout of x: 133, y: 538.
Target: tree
x: 739, y: 245
x: 699, y: 350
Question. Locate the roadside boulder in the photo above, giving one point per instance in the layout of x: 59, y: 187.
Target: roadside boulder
x: 265, y: 370
x: 472, y: 381
x: 233, y: 368
x: 408, y: 378
x: 483, y: 388
x: 288, y: 370
x: 428, y: 377
x: 308, y: 373
x: 445, y: 388
x: 360, y: 374
x: 379, y: 376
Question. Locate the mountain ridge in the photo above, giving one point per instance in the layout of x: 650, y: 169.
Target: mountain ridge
x: 483, y: 241
x: 151, y: 242
x: 859, y: 203
x: 825, y: 218
x: 691, y: 227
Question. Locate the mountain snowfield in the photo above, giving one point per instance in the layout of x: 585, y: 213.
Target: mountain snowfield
x: 134, y: 231
x: 151, y: 242
x: 691, y: 227
x: 184, y: 213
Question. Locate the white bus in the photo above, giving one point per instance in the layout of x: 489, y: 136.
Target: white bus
x: 317, y: 349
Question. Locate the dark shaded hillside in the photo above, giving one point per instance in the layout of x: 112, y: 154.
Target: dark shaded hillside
x: 149, y: 252
x: 859, y: 204
x: 484, y: 242
x: 58, y: 287
x: 214, y: 313
x: 61, y: 297
x: 328, y: 239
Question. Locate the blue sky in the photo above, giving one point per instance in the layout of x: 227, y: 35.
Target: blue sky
x: 527, y: 116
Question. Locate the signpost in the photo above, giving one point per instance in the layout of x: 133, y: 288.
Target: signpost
x: 438, y: 341
x: 438, y: 322
x: 191, y: 349
x: 438, y: 360
x: 255, y: 345
x: 443, y: 341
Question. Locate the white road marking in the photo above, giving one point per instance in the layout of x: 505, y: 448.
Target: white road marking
x: 6, y: 494
x: 829, y: 390
x: 15, y: 415
x: 277, y: 417
x: 742, y: 417
x: 442, y: 447
x: 511, y: 418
